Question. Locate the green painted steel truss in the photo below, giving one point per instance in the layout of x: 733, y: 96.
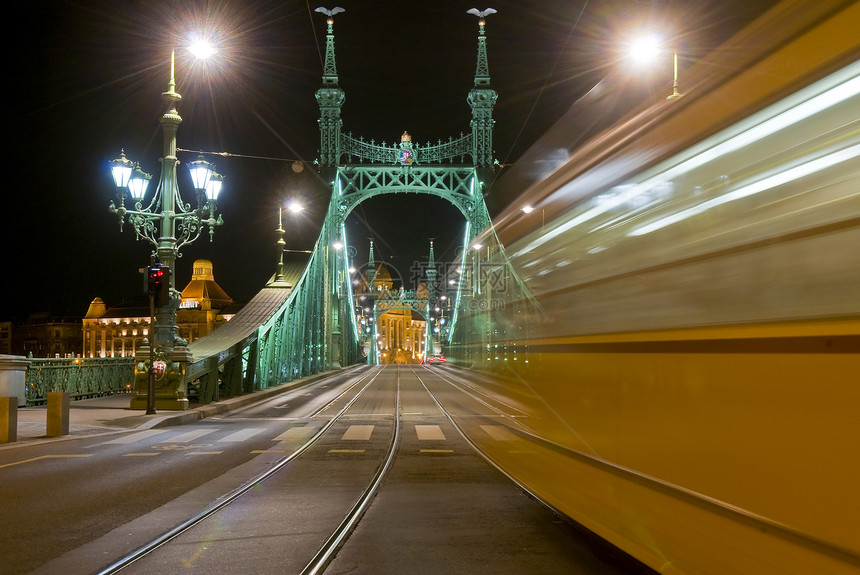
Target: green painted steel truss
x: 456, y: 184
x: 310, y: 332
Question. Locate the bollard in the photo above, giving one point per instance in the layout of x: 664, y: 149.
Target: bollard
x: 8, y: 419
x: 58, y: 414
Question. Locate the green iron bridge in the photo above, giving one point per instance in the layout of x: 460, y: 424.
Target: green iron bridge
x: 302, y: 321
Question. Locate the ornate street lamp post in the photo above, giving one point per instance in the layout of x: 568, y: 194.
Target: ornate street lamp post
x: 168, y: 223
x: 294, y: 208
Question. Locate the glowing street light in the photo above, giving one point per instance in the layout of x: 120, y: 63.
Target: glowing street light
x: 202, y: 49
x: 645, y: 48
x: 527, y: 209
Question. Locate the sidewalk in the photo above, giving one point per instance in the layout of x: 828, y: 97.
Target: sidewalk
x: 111, y: 414
x: 101, y: 415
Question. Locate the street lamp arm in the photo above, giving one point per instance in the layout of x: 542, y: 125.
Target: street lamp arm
x: 143, y: 221
x: 188, y: 229
x: 190, y: 223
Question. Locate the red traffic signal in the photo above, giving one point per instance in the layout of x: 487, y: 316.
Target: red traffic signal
x: 158, y: 283
x: 156, y: 276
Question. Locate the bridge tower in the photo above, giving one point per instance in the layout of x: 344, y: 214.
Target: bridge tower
x: 330, y: 99
x: 482, y: 98
x: 315, y: 329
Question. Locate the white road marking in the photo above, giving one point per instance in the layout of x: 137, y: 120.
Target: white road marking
x: 242, y: 435
x: 139, y: 436
x: 191, y: 435
x: 429, y: 432
x: 358, y: 433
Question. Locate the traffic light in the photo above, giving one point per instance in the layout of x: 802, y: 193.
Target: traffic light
x: 158, y: 283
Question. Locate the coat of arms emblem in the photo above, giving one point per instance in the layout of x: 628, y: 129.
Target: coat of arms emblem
x: 159, y: 368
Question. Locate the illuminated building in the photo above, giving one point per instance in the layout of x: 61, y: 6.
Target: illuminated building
x: 119, y: 330
x: 400, y: 332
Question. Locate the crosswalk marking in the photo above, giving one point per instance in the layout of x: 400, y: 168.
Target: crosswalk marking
x: 293, y: 434
x: 131, y: 438
x: 429, y: 432
x: 296, y: 433
x: 189, y: 436
x: 146, y: 454
x: 358, y: 433
x: 498, y: 432
x: 242, y: 435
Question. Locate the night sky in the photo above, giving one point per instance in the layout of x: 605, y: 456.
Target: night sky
x: 84, y: 81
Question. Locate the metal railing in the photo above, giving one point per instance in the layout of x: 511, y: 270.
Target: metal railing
x: 455, y: 151
x: 79, y: 377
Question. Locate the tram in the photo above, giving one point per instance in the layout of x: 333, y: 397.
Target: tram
x: 683, y: 305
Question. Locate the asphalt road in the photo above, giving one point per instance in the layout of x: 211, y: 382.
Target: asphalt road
x: 442, y: 508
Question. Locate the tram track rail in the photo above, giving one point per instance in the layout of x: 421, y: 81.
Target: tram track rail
x: 518, y: 428
x: 339, y: 536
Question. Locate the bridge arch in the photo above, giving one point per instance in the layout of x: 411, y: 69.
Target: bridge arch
x: 459, y: 186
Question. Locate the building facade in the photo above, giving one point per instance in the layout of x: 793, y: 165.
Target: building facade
x: 204, y: 306
x: 401, y: 335
x: 46, y: 335
x: 118, y: 331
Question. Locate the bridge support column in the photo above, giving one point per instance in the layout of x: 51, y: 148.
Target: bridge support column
x: 335, y: 351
